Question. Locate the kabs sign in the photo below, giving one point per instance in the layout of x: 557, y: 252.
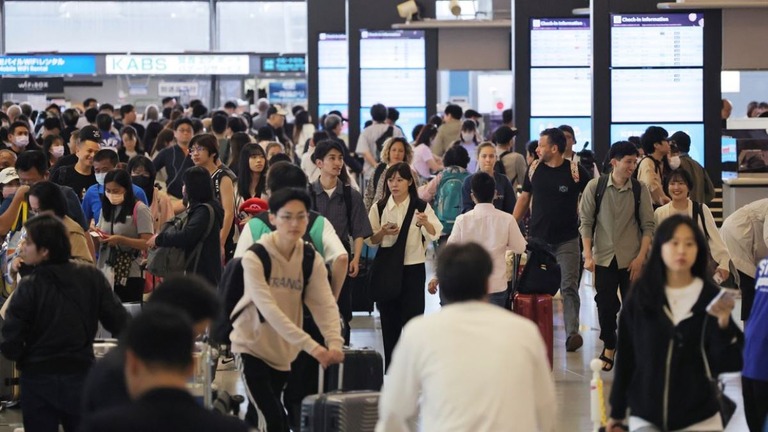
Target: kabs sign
x: 180, y: 64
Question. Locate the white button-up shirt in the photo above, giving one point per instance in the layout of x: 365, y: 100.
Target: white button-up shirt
x: 415, y: 248
x: 497, y: 232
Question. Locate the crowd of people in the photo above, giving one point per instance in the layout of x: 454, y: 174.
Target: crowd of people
x: 92, y: 195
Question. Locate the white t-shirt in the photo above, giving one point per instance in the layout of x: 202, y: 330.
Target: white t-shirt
x: 421, y: 157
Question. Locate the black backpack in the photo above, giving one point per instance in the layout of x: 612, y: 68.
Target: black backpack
x: 498, y: 167
x: 602, y: 184
x: 541, y: 274
x: 383, y: 138
x: 232, y: 288
x: 587, y: 159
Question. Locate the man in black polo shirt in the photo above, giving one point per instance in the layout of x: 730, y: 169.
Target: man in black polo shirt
x: 80, y: 176
x: 555, y: 183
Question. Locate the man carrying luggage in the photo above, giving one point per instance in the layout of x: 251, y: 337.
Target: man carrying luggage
x: 502, y: 366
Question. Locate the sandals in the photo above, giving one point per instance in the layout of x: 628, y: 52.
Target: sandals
x: 609, y: 366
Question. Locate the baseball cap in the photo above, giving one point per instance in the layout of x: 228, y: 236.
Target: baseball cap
x: 682, y: 139
x: 254, y: 206
x: 90, y: 133
x: 338, y: 113
x: 276, y: 109
x: 323, y: 147
x: 8, y: 175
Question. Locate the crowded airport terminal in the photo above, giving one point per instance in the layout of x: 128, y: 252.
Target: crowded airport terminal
x: 383, y: 216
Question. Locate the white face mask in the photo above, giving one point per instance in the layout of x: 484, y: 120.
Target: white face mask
x: 115, y: 199
x: 100, y: 178
x: 57, y: 151
x: 21, y: 141
x: 674, y: 162
x: 468, y: 137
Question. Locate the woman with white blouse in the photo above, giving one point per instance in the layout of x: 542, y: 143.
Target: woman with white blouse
x: 402, y: 227
x: 679, y: 185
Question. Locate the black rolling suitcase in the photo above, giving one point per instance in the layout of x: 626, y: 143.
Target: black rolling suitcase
x: 362, y: 301
x: 355, y: 411
x: 363, y: 369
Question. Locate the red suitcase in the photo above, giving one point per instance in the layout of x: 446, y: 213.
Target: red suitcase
x: 538, y: 308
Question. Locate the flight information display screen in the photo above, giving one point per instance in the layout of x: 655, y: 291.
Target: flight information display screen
x: 561, y: 78
x: 657, y: 40
x: 393, y: 72
x: 333, y: 73
x: 657, y: 75
x: 561, y: 42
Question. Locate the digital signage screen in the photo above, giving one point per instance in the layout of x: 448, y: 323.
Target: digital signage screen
x: 561, y: 92
x: 560, y: 42
x: 657, y: 40
x: 647, y: 95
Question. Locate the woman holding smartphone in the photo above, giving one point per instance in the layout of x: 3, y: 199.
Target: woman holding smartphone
x: 674, y: 326
x: 402, y: 225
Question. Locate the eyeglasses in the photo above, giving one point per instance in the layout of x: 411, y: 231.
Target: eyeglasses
x: 196, y: 149
x: 184, y: 130
x: 301, y: 217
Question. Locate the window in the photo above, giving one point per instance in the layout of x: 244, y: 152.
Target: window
x: 106, y: 26
x: 262, y: 27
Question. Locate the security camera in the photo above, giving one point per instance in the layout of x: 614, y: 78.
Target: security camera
x: 408, y: 10
x: 455, y: 8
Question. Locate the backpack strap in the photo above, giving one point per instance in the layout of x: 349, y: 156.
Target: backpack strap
x: 698, y: 216
x: 574, y: 171
x: 377, y: 175
x: 532, y: 168
x: 266, y: 264
x: 380, y: 206
x: 637, y: 190
x: 307, y: 264
x: 602, y: 185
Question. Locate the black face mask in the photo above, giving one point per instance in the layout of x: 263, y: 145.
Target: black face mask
x: 145, y: 183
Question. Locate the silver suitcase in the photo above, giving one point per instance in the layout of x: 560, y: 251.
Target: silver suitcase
x: 354, y: 411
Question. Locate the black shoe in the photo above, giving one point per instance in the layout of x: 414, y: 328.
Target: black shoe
x: 574, y: 342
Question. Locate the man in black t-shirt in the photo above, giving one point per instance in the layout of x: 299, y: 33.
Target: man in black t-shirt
x: 556, y: 184
x: 80, y: 176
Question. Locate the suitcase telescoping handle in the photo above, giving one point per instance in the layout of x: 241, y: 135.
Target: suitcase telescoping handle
x: 321, y: 378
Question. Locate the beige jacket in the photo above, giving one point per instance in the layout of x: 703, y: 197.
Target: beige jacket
x: 278, y: 340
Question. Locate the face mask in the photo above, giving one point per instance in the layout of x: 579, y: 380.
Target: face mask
x: 467, y: 136
x: 57, y: 152
x: 674, y: 162
x: 9, y: 191
x: 21, y: 141
x: 142, y: 181
x: 115, y: 199
x: 100, y: 178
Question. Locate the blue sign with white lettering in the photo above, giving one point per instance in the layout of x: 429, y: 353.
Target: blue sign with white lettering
x: 288, y: 92
x: 48, y: 65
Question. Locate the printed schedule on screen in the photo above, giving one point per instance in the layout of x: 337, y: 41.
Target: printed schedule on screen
x: 392, y: 49
x: 561, y: 92
x: 561, y: 42
x: 657, y: 40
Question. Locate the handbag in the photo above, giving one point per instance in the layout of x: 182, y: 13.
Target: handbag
x: 168, y: 260
x: 726, y: 405
x: 386, y: 275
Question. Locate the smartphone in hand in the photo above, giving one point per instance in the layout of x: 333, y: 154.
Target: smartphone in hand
x: 724, y: 294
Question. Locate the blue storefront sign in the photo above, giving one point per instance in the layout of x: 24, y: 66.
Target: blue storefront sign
x: 288, y: 92
x: 48, y: 65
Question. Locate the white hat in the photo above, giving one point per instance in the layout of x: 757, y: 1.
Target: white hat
x: 8, y: 175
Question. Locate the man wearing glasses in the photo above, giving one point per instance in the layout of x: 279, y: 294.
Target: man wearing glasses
x: 175, y: 158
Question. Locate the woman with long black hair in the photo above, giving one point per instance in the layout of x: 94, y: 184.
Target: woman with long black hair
x: 125, y: 225
x: 402, y: 227
x: 675, y: 331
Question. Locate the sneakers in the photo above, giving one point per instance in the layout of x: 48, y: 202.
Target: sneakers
x: 574, y: 342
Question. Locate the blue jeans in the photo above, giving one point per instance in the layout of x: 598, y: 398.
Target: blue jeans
x: 569, y: 258
x: 499, y: 298
x: 50, y: 399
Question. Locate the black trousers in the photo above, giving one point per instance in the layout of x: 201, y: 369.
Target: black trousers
x: 747, y: 287
x: 303, y: 378
x: 264, y: 386
x: 397, y: 312
x: 608, y: 304
x: 48, y: 400
x: 755, y: 394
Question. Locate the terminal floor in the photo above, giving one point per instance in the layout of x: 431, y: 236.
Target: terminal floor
x: 571, y: 370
